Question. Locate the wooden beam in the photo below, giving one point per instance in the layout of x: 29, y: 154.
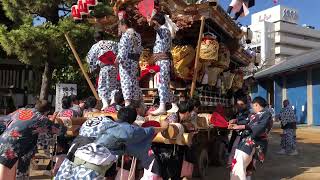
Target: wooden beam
x: 82, y: 68
x: 196, y: 63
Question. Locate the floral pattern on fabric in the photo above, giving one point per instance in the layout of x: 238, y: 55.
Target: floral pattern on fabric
x: 46, y: 141
x: 21, y: 135
x: 130, y: 45
x: 24, y: 165
x: 256, y: 139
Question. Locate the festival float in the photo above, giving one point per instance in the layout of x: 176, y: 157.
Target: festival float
x: 208, y: 55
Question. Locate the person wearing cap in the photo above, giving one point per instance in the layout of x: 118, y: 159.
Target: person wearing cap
x: 128, y: 59
x: 21, y: 134
x: 103, y: 54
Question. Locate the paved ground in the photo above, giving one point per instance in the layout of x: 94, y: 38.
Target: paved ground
x: 305, y: 166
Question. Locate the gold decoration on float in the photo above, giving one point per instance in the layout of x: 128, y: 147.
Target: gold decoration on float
x: 209, y: 49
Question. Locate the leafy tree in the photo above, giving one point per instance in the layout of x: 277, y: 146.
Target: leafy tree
x: 42, y: 43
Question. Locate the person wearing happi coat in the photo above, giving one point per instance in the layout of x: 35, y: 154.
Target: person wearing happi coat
x: 47, y: 141
x: 116, y: 138
x: 240, y: 119
x: 88, y: 132
x: 103, y: 54
x: 289, y: 125
x: 19, y: 139
x: 128, y: 59
x: 162, y: 56
x: 254, y: 141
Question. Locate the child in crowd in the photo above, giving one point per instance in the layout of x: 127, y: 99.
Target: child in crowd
x: 90, y: 105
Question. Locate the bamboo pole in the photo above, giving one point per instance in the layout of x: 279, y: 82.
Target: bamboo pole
x: 196, y: 64
x: 81, y: 67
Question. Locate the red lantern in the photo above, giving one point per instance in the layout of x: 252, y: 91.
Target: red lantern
x: 91, y: 2
x: 75, y: 12
x: 83, y: 8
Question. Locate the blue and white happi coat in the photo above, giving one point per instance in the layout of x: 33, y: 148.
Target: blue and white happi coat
x: 163, y: 45
x: 130, y: 46
x: 118, y: 137
x: 108, y: 72
x: 89, y: 129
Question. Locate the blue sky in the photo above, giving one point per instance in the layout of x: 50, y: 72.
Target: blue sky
x: 308, y: 10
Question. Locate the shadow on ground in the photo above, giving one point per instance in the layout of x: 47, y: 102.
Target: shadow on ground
x: 305, y: 166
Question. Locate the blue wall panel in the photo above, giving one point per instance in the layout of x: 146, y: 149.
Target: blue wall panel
x: 260, y: 89
x: 297, y: 94
x: 278, y: 85
x: 316, y: 96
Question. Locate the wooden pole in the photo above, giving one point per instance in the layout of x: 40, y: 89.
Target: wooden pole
x: 196, y: 63
x: 81, y: 67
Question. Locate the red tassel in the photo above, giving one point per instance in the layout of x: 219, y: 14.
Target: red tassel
x: 75, y: 12
x: 234, y: 161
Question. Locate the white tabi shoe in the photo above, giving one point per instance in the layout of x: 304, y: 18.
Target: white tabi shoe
x: 105, y: 104
x: 160, y: 111
x: 174, y: 108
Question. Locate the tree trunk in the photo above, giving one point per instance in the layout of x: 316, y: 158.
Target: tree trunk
x: 46, y: 79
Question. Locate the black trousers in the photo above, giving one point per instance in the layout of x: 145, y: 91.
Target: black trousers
x: 169, y: 159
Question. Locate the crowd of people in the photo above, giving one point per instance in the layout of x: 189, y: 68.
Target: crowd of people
x: 96, y: 152
x: 109, y: 149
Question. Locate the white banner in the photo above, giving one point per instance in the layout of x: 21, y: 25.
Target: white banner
x: 64, y: 90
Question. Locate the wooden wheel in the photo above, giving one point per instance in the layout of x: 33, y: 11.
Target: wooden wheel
x: 221, y: 153
x: 203, y: 163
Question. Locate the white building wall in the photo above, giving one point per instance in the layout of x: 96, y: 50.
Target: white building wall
x: 277, y: 35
